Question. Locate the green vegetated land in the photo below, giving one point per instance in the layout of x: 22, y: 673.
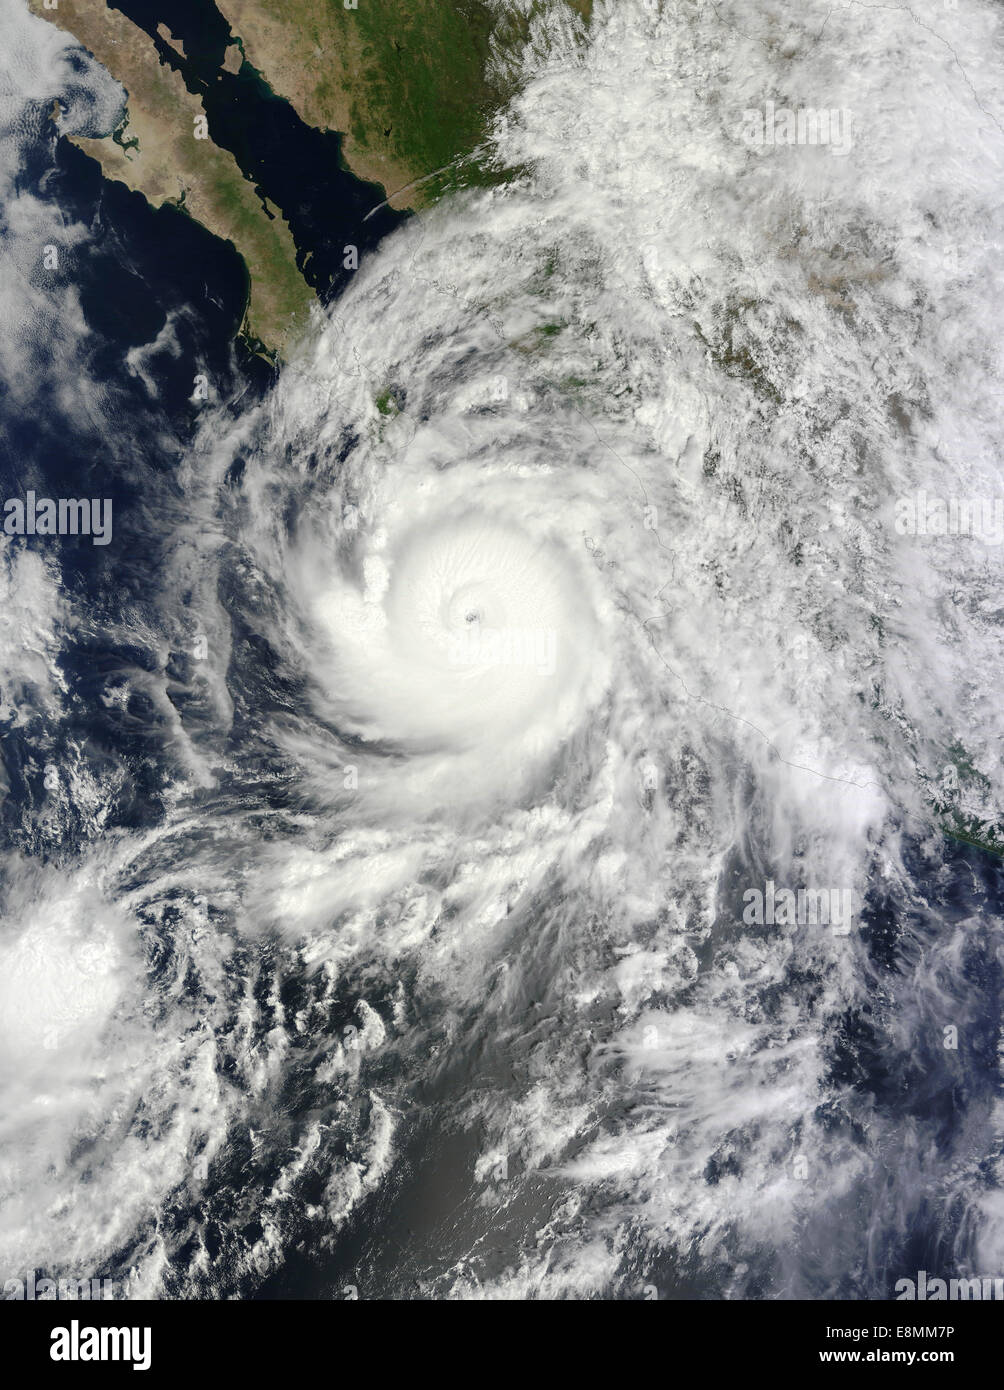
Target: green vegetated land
x: 412, y: 84
x: 427, y: 84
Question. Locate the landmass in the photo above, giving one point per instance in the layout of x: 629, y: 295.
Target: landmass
x: 411, y: 85
x: 154, y: 151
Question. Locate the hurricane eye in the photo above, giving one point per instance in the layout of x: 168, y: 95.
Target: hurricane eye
x: 476, y: 636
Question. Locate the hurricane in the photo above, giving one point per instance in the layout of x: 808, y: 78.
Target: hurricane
x: 518, y: 815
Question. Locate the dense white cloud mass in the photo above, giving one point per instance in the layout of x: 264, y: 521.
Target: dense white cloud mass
x: 557, y: 603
